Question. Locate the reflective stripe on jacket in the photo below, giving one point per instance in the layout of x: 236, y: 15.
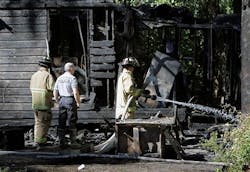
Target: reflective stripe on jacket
x: 41, y: 86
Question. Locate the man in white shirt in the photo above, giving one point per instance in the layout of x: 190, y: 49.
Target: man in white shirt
x: 66, y: 88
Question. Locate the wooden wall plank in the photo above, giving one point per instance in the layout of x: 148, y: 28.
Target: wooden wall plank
x: 22, y: 44
x: 102, y: 59
x: 102, y: 66
x: 102, y: 74
x: 100, y: 51
x: 95, y: 83
x: 16, y: 114
x: 81, y: 114
x: 22, y: 13
x: 23, y: 52
x: 30, y: 122
x: 14, y: 91
x: 17, y: 4
x: 26, y: 118
x: 14, y: 83
x: 15, y: 76
x: 108, y: 113
x: 26, y: 28
x: 106, y: 43
x: 15, y: 106
x: 75, y: 3
x: 20, y: 60
x: 21, y: 4
x: 24, y: 20
x: 18, y: 67
x: 15, y: 99
x: 28, y: 107
x: 23, y: 36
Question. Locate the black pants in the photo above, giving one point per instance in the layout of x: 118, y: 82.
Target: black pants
x: 67, y: 112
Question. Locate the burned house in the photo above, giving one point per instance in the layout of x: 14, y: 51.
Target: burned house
x: 81, y: 32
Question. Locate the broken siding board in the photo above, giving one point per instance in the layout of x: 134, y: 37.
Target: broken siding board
x: 24, y: 20
x: 14, y: 83
x: 102, y: 43
x: 22, y: 44
x: 102, y: 66
x: 99, y: 51
x: 18, y: 67
x: 102, y: 74
x: 22, y: 36
x: 20, y: 60
x: 22, y: 13
x: 23, y: 52
x: 102, y: 59
x: 15, y: 76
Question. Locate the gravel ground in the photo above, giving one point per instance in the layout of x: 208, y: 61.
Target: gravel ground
x: 129, y: 167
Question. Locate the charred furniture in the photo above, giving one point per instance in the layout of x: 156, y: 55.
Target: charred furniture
x: 147, y: 136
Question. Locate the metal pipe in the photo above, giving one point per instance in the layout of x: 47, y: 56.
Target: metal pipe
x: 83, y: 56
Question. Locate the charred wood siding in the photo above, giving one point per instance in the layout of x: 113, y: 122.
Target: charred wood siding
x: 22, y: 45
x: 31, y: 4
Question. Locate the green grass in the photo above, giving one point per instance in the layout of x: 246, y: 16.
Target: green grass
x: 235, y: 147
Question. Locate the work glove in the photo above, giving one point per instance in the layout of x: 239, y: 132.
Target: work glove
x: 145, y: 92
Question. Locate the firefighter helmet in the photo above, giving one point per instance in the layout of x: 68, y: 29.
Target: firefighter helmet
x: 130, y: 61
x: 45, y: 62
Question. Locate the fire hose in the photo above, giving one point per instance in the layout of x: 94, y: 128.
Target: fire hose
x: 220, y: 113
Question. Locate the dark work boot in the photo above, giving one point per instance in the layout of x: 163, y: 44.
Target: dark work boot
x: 74, y: 144
x: 62, y: 141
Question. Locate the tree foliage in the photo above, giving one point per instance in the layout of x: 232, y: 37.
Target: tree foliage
x: 200, y: 8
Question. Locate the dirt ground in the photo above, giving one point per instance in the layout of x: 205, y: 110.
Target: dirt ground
x: 129, y: 167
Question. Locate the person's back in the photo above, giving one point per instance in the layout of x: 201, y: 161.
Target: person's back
x: 41, y: 86
x: 65, y: 83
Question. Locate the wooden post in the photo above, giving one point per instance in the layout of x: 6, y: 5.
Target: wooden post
x: 107, y: 38
x: 113, y: 38
x: 245, y: 59
x: 90, y: 35
x: 84, y: 56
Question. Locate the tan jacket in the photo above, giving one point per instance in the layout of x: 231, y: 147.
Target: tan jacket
x: 125, y: 89
x: 41, y: 86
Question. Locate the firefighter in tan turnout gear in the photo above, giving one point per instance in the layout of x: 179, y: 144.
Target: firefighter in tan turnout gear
x: 41, y: 86
x: 126, y: 88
